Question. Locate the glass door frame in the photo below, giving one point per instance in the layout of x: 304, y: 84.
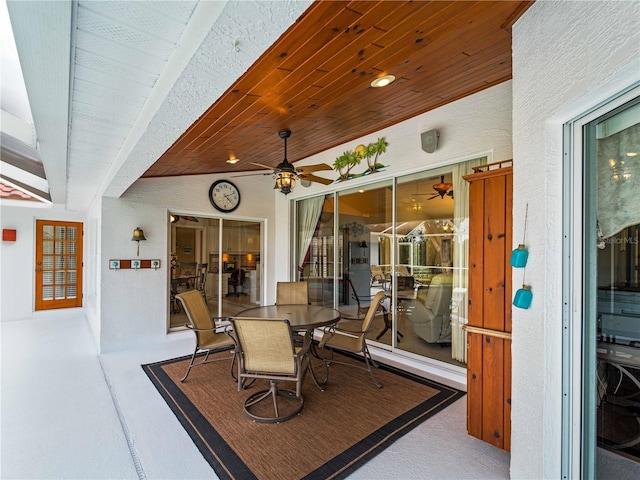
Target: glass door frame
x: 217, y: 289
x: 392, y: 182
x: 578, y: 442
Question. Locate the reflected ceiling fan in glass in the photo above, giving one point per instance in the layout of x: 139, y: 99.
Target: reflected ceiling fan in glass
x: 442, y: 189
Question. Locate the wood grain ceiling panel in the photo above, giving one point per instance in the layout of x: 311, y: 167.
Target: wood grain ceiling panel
x: 315, y: 80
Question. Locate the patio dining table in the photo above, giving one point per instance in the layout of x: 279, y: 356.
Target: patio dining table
x: 302, y: 318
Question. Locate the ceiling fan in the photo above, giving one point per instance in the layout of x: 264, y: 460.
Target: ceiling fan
x: 442, y: 189
x: 286, y: 173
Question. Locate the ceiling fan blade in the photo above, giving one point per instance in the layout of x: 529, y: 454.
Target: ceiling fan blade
x: 434, y: 196
x: 313, y: 178
x: 190, y: 219
x: 313, y: 168
x: 252, y: 174
x: 262, y: 165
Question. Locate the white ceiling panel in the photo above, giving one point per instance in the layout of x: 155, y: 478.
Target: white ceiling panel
x: 122, y: 68
x: 121, y: 49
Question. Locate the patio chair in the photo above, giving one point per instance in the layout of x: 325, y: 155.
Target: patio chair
x: 292, y: 293
x: 187, y: 274
x: 210, y: 338
x: 267, y: 352
x: 236, y: 281
x: 378, y: 277
x: 201, y: 281
x: 351, y: 341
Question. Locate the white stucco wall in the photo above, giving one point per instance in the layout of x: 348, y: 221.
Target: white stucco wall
x: 567, y: 58
x: 471, y: 127
x: 134, y: 304
x: 17, y: 259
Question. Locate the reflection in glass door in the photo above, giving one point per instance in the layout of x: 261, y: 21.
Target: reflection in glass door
x: 611, y: 324
x: 218, y: 257
x: 430, y: 274
x: 362, y: 214
x: 239, y: 266
x: 417, y: 256
x: 315, y: 247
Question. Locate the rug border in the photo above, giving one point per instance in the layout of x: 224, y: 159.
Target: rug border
x: 347, y: 461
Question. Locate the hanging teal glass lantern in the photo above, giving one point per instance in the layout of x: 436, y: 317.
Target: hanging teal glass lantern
x: 519, y: 256
x: 523, y: 297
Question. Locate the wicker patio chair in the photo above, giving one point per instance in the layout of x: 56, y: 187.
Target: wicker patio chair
x: 267, y: 352
x: 292, y: 293
x: 209, y: 336
x: 335, y: 338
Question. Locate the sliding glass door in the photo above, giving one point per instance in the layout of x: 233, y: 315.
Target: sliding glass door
x: 406, y: 236
x: 609, y: 348
x: 218, y: 257
x: 363, y: 213
x: 315, y: 247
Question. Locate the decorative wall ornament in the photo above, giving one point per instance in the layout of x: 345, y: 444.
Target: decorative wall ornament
x: 519, y: 256
x: 345, y: 163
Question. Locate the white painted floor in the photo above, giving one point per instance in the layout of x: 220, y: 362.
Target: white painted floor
x: 68, y: 413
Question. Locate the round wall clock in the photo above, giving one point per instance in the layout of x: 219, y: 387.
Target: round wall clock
x: 224, y: 196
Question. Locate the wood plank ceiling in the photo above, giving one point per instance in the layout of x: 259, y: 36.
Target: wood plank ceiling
x: 315, y: 80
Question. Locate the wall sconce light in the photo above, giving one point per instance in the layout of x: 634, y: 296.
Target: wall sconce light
x: 138, y: 235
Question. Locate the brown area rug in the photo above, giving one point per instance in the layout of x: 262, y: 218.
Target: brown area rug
x: 338, y: 430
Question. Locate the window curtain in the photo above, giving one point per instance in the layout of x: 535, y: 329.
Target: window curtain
x: 459, y: 297
x: 309, y: 211
x: 618, y: 178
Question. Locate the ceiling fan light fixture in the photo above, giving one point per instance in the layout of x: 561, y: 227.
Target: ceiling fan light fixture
x: 285, y: 181
x: 383, y: 81
x: 285, y: 173
x: 442, y: 186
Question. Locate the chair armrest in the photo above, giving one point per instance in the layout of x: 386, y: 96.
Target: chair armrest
x: 217, y: 328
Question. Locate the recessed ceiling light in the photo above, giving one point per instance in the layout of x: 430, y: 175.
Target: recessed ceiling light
x: 233, y: 159
x: 383, y: 81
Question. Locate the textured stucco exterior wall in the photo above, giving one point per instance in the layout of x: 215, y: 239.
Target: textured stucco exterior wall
x: 134, y: 304
x: 567, y: 58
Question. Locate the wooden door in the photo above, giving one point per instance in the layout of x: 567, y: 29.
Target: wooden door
x: 58, y: 264
x: 489, y: 328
